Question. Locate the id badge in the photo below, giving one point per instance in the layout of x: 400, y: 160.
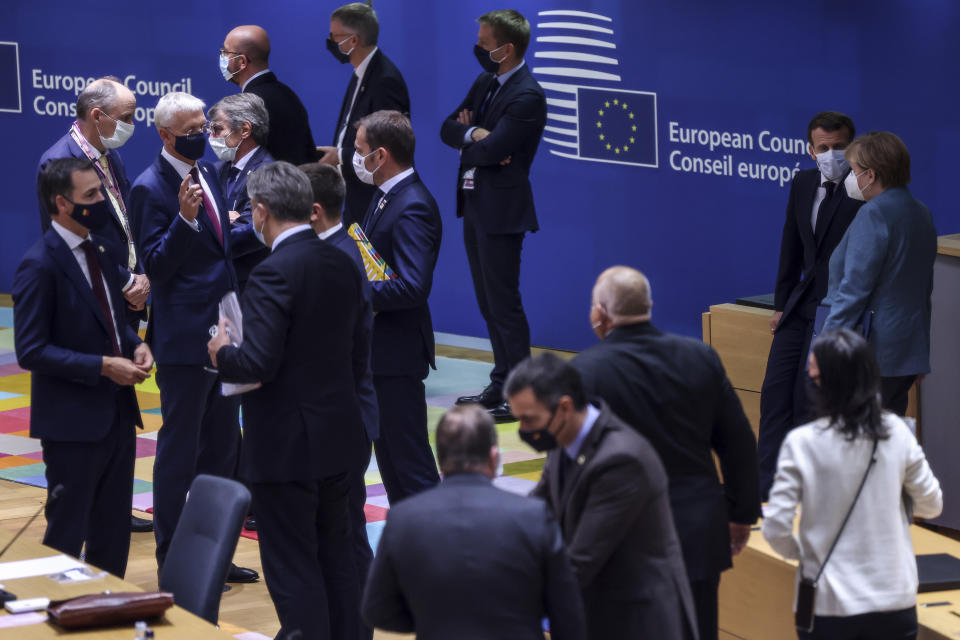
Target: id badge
x: 468, y: 179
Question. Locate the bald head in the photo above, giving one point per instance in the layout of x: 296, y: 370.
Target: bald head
x: 100, y: 106
x: 623, y: 296
x: 250, y: 41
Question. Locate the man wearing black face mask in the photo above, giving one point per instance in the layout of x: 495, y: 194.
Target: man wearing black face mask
x: 375, y: 84
x: 497, y: 129
x: 83, y: 360
x: 607, y: 488
x: 182, y: 230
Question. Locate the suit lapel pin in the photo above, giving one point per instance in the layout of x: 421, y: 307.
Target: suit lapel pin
x: 581, y: 459
x: 102, y: 250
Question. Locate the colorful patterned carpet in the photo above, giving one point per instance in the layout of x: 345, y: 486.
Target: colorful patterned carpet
x: 21, y: 459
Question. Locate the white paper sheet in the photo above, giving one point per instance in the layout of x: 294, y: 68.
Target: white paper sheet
x: 230, y: 309
x: 38, y: 567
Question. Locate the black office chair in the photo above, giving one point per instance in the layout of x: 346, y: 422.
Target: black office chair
x: 202, y: 546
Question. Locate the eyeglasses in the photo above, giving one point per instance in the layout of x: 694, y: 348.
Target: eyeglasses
x: 205, y: 129
x: 217, y: 130
x: 339, y: 37
x: 233, y: 53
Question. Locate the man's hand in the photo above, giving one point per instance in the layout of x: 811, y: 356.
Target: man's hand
x: 479, y: 134
x: 222, y: 339
x: 331, y: 156
x: 143, y: 357
x: 739, y: 535
x: 465, y: 117
x: 775, y: 320
x: 233, y: 216
x: 506, y: 161
x: 122, y: 371
x: 191, y: 196
x: 138, y: 292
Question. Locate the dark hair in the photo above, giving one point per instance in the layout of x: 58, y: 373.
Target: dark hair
x: 508, y: 26
x: 392, y: 131
x: 284, y: 189
x: 328, y: 187
x: 831, y: 121
x: 849, y: 389
x: 99, y: 94
x: 57, y: 179
x: 465, y: 435
x: 885, y: 153
x: 360, y: 19
x: 550, y: 378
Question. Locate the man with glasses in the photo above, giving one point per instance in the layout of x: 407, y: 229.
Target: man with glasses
x: 181, y: 228
x: 244, y: 62
x: 375, y: 84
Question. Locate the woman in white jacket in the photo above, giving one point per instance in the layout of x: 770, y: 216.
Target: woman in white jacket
x: 868, y: 588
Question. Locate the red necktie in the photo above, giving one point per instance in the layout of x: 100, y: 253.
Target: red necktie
x: 99, y: 292
x: 208, y: 205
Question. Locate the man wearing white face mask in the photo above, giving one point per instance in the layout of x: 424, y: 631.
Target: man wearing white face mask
x: 818, y: 213
x: 239, y: 126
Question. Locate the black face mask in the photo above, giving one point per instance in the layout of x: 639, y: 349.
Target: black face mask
x: 483, y: 57
x: 540, y: 439
x: 92, y: 216
x: 191, y: 147
x: 334, y: 49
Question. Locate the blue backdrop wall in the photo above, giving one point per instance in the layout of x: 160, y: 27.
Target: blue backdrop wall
x: 702, y: 107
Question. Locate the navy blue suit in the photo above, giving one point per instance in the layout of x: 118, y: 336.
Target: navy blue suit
x: 406, y: 232
x: 84, y: 420
x: 190, y: 271
x: 289, y: 137
x: 247, y: 250
x: 112, y: 235
x: 498, y: 210
x: 305, y: 340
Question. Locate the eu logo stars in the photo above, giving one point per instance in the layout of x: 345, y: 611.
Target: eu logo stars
x: 617, y: 126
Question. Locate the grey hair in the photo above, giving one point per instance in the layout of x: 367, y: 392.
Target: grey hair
x: 624, y: 293
x: 284, y: 189
x: 99, y: 94
x: 361, y: 19
x: 171, y: 104
x: 244, y: 107
x: 465, y: 435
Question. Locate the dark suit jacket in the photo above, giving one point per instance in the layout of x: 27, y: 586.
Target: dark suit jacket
x: 614, y: 512
x: 246, y: 249
x: 368, y: 395
x: 804, y: 270
x: 467, y: 560
x: 502, y: 200
x: 406, y: 233
x: 112, y: 235
x: 674, y: 392
x: 189, y: 270
x: 289, y: 137
x: 382, y: 88
x: 61, y: 339
x: 303, y: 338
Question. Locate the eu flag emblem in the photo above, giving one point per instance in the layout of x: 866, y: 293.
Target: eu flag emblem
x: 617, y: 126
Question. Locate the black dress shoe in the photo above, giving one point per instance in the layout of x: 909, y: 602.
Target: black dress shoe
x: 140, y: 525
x: 501, y: 413
x: 489, y: 398
x: 250, y: 524
x: 239, y: 574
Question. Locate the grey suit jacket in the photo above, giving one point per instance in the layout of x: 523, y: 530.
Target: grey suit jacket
x: 615, y: 515
x: 884, y: 264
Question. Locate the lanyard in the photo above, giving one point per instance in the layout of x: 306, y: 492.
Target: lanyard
x: 109, y: 180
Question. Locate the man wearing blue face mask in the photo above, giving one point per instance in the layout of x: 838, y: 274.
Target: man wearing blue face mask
x: 182, y: 229
x: 818, y: 213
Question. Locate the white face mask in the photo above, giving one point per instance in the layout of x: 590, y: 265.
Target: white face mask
x: 225, y: 68
x: 259, y: 234
x: 853, y: 186
x: 832, y: 163
x: 219, y: 146
x: 120, y: 135
x: 360, y: 168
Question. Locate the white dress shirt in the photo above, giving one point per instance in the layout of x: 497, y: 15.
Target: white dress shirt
x: 323, y: 235
x: 821, y: 195
x: 73, y: 242
x: 390, y: 184
x: 287, y: 233
x: 872, y: 567
x: 182, y: 169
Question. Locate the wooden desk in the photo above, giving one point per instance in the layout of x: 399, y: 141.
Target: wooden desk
x: 177, y: 623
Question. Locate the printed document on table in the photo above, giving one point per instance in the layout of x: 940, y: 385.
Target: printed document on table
x: 38, y: 567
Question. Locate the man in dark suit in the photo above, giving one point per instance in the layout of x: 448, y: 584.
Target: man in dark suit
x: 325, y: 219
x: 818, y: 214
x: 609, y: 492
x: 466, y: 523
x: 238, y: 132
x: 497, y: 129
x: 375, y: 85
x: 403, y: 224
x: 182, y: 230
x: 674, y: 392
x: 83, y: 358
x: 304, y: 340
x: 105, y: 110
x: 244, y: 61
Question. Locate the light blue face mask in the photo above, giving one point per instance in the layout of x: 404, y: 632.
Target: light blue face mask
x: 225, y: 67
x: 259, y: 234
x: 832, y: 163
